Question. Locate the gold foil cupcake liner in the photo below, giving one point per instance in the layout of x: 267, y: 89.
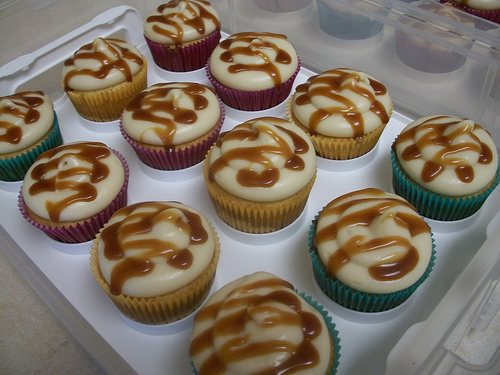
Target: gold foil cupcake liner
x: 108, y: 104
x: 166, y: 308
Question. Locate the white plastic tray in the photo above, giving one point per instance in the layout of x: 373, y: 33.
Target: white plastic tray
x: 61, y: 273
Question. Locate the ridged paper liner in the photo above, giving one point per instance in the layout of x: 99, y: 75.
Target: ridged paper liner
x: 81, y: 230
x: 490, y: 15
x: 177, y: 157
x: 108, y: 104
x: 334, y: 335
x: 14, y: 166
x: 187, y: 57
x: 167, y: 308
x: 255, y: 217
x: 437, y: 206
x: 253, y: 100
x: 354, y: 299
x: 339, y: 148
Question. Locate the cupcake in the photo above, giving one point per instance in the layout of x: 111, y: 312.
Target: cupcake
x: 282, y: 6
x: 102, y: 76
x: 28, y: 127
x: 428, y: 56
x: 344, y: 111
x: 445, y: 166
x: 182, y: 34
x: 258, y: 324
x: 337, y: 21
x: 253, y: 71
x: 259, y: 174
x: 487, y: 9
x: 70, y: 191
x: 156, y: 260
x: 370, y: 250
x: 171, y: 126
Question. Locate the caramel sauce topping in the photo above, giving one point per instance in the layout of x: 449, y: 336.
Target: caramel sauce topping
x: 257, y: 154
x: 330, y: 85
x: 91, y: 51
x: 434, y: 134
x: 195, y: 21
x: 392, y: 269
x: 232, y: 326
x: 11, y: 133
x: 118, y: 239
x: 257, y: 46
x: 88, y: 156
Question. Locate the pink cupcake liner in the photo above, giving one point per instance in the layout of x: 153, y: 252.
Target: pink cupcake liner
x: 490, y: 15
x: 252, y: 100
x: 184, y: 59
x: 85, y: 230
x: 169, y: 159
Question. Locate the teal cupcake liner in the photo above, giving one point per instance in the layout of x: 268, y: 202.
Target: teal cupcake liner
x: 331, y: 328
x: 354, y: 299
x: 14, y: 168
x: 437, y: 206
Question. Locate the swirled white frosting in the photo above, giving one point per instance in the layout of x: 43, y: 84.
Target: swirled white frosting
x: 169, y: 114
x: 373, y: 241
x: 253, y: 61
x: 73, y: 182
x: 447, y: 155
x: 178, y: 22
x: 101, y: 64
x: 258, y: 325
x: 264, y: 159
x: 153, y: 248
x: 25, y: 118
x: 341, y: 103
x: 480, y: 4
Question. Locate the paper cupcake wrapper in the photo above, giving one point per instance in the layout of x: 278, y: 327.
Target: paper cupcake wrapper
x: 252, y: 100
x: 188, y: 57
x: 334, y: 334
x: 437, y: 206
x: 86, y: 229
x: 490, y: 15
x: 355, y: 299
x: 170, y: 159
x: 167, y: 308
x: 14, y: 168
x: 108, y: 104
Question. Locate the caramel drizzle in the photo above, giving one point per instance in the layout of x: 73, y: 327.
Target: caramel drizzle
x: 89, y: 153
x: 90, y: 52
x: 390, y: 269
x: 257, y: 46
x: 232, y: 327
x: 118, y: 239
x: 171, y: 20
x: 271, y: 174
x: 330, y: 85
x: 147, y: 106
x: 433, y: 133
x: 26, y: 110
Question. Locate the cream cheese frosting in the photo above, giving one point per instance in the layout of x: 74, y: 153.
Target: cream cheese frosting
x: 253, y: 61
x: 170, y: 114
x: 264, y: 159
x: 480, y: 4
x: 341, y: 103
x: 73, y: 182
x: 258, y: 324
x: 153, y: 248
x: 25, y: 118
x: 447, y: 155
x: 101, y: 64
x: 373, y: 241
x: 178, y: 22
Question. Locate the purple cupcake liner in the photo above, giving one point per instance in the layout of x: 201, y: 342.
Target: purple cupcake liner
x: 252, y: 100
x: 490, y: 15
x: 86, y: 229
x: 14, y: 169
x: 184, y: 59
x: 169, y: 159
